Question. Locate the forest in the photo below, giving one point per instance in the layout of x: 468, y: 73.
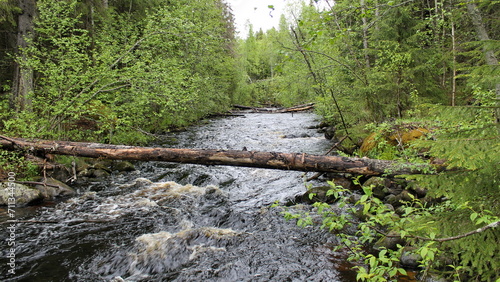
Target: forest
x: 123, y: 71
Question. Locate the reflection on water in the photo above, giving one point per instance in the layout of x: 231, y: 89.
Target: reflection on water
x: 179, y: 222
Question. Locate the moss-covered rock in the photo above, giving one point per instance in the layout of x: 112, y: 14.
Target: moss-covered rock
x: 123, y: 166
x: 22, y: 194
x: 401, y: 135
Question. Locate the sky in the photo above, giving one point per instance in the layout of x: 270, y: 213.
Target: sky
x: 258, y: 13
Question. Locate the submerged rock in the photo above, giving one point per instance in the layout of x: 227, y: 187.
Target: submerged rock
x: 18, y: 194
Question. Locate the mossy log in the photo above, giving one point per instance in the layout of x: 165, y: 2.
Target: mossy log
x: 271, y: 160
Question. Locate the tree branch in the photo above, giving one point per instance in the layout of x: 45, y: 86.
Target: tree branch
x: 479, y: 230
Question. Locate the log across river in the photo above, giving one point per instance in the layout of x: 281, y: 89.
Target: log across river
x: 272, y: 160
x: 170, y: 221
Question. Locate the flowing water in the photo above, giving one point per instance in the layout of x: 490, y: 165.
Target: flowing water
x: 181, y: 222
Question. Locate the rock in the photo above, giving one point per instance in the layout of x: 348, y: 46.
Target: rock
x: 100, y: 173
x: 392, y: 200
x: 400, y: 210
x: 319, y: 195
x: 81, y: 164
x: 354, y: 198
x: 389, y: 207
x: 419, y: 191
x: 60, y: 172
x: 123, y: 166
x: 86, y: 173
x: 410, y: 259
x: 368, y: 143
x: 104, y: 165
x: 330, y: 132
x: 406, y: 196
x: 433, y: 277
x: 389, y: 242
x: 23, y: 195
x: 345, y: 183
x: 302, y: 135
x: 93, y: 173
x: 395, y: 190
x: 50, y: 192
x: 402, y: 135
x: 380, y: 185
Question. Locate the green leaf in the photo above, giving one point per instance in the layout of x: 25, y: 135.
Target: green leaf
x: 473, y: 216
x: 424, y: 251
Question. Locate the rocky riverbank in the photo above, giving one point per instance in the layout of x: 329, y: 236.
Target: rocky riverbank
x: 54, y: 185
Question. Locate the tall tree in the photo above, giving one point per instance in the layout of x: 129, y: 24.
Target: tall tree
x: 489, y: 53
x: 23, y: 73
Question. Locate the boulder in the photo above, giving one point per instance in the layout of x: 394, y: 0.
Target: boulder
x: 380, y: 185
x: 22, y: 194
x: 100, y: 173
x: 330, y: 132
x: 410, y: 259
x: 123, y: 166
x: 50, y: 192
x: 401, y: 135
x: 103, y: 165
x: 93, y: 173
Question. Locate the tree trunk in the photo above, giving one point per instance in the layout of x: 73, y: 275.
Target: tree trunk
x: 271, y: 160
x: 23, y: 76
x: 482, y: 34
x: 365, y: 35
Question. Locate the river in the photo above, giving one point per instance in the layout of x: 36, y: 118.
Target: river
x: 181, y: 222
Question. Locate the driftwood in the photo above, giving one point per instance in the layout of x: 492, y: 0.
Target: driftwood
x: 297, y: 108
x: 271, y: 160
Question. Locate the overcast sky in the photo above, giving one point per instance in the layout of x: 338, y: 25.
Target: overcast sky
x: 258, y: 13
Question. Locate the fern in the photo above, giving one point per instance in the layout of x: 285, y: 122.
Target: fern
x: 468, y: 139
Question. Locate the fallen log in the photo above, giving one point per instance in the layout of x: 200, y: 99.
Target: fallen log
x: 271, y: 160
x: 297, y: 108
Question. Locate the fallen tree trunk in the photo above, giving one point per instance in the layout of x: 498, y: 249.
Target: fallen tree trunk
x: 272, y: 160
x: 297, y: 108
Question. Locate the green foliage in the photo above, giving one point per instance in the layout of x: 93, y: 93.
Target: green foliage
x: 7, y: 10
x: 15, y: 162
x: 419, y: 225
x: 125, y: 72
x: 467, y: 137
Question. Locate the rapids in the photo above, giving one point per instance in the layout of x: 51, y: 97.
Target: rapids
x: 181, y: 222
